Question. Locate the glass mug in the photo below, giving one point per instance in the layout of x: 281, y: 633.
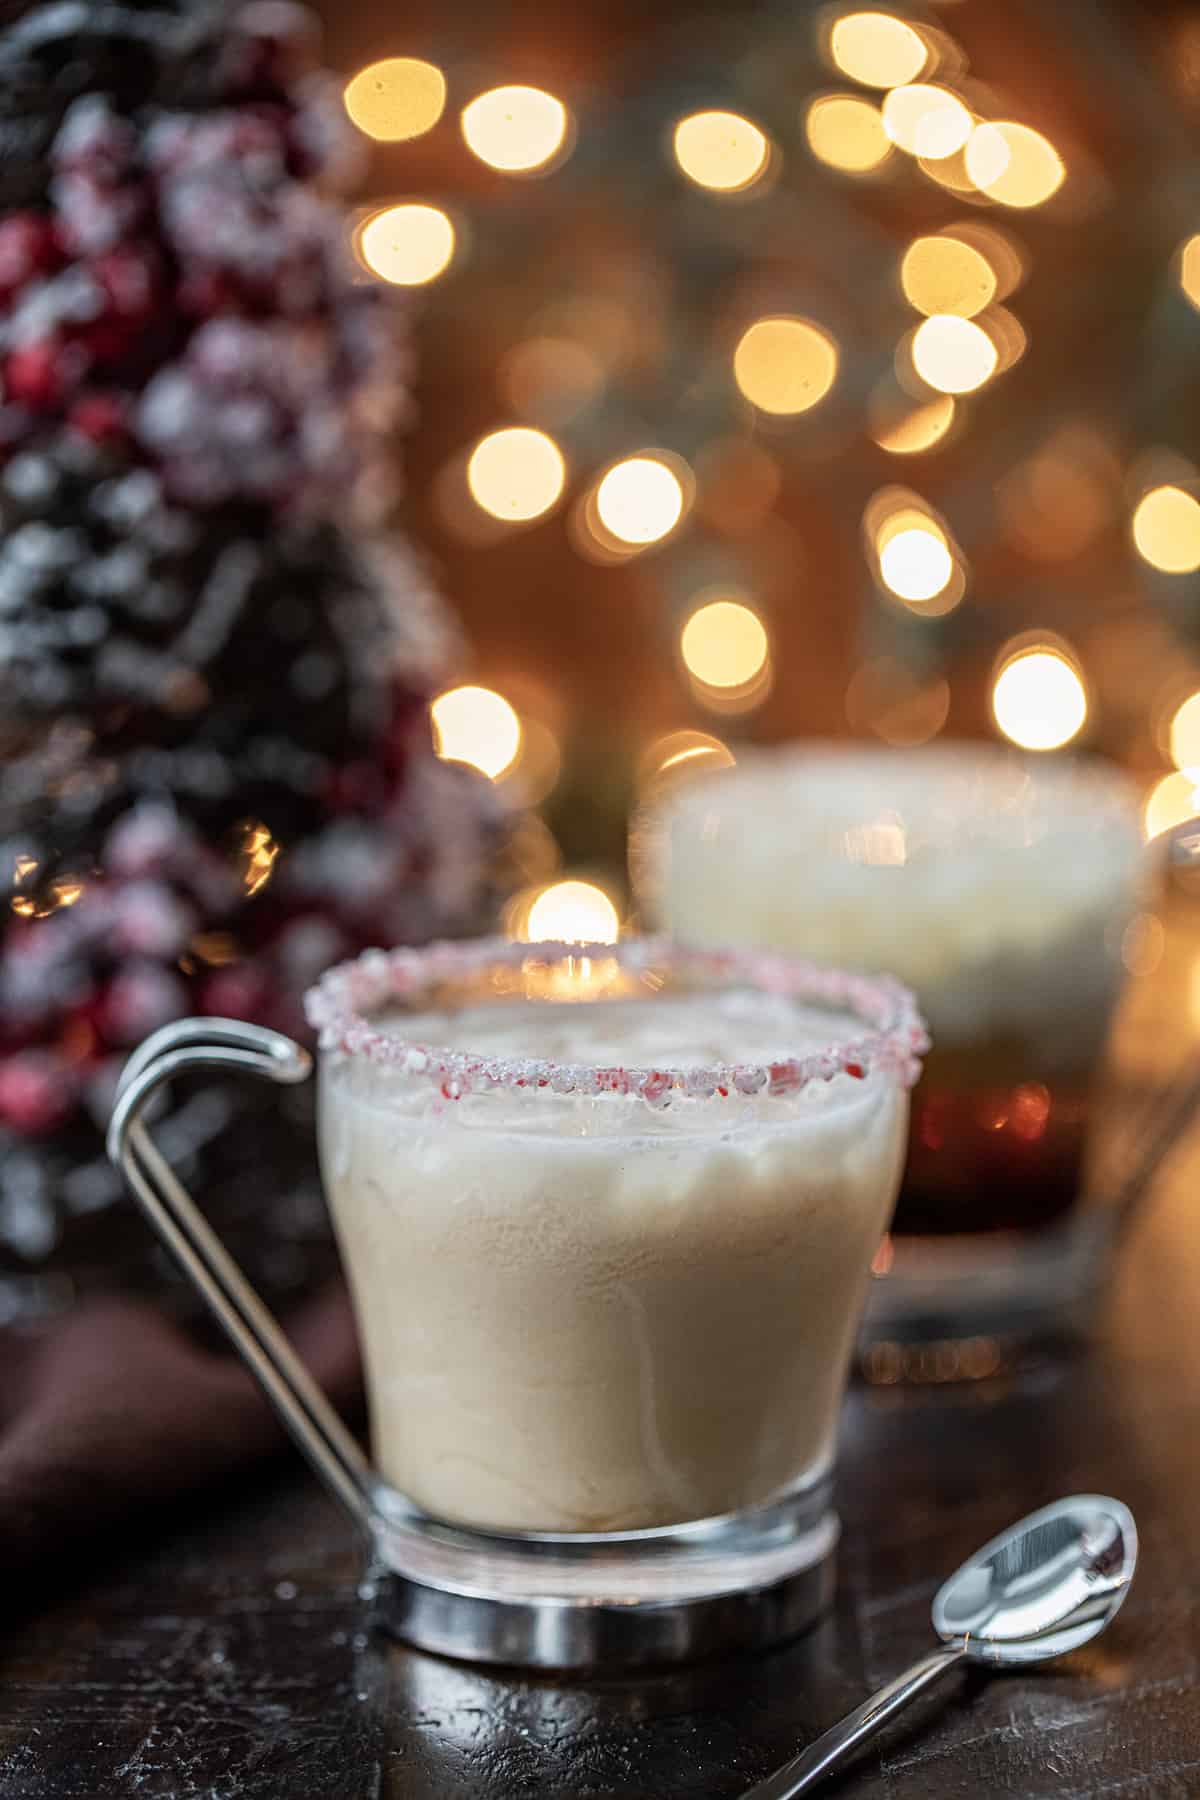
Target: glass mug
x: 607, y: 1254
x: 1000, y: 888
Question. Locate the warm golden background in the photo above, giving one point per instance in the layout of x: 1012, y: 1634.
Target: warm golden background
x: 911, y: 331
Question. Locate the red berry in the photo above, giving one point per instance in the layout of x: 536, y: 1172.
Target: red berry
x: 206, y: 293
x: 109, y: 339
x: 34, y: 376
x: 101, y: 418
x: 35, y: 1093
x: 130, y: 279
x: 240, y: 992
x: 28, y: 247
x: 130, y: 276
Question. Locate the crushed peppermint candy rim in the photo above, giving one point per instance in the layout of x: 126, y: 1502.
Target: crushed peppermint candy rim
x: 341, y: 1005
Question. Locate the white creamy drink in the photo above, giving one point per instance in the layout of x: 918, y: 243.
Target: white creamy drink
x: 995, y: 885
x: 998, y: 886
x: 582, y: 1311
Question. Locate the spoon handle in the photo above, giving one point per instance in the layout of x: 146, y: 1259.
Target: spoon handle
x: 804, y: 1771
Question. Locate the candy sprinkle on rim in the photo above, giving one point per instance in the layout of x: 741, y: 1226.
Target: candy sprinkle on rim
x: 340, y: 1006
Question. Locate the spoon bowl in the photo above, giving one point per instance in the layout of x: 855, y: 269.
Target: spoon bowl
x: 1043, y: 1587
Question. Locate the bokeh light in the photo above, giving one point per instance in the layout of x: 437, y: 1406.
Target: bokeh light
x: 408, y: 244
x: 721, y: 151
x: 573, y: 912
x: 1171, y: 801
x: 927, y: 121
x: 1189, y: 269
x: 953, y: 355
x: 724, y: 644
x: 1166, y: 530
x: 785, y: 365
x: 915, y: 562
x: 1038, y: 699
x: 515, y: 129
x: 945, y: 274
x: 476, y: 726
x: 877, y: 49
x: 846, y: 132
x: 1185, y: 735
x: 681, y: 755
x: 256, y: 856
x: 517, y: 473
x: 915, y: 428
x: 1013, y: 164
x: 640, y: 500
x: 458, y: 511
x: 399, y: 98
x: 912, y: 552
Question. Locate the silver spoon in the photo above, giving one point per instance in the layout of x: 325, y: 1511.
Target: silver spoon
x: 1043, y: 1587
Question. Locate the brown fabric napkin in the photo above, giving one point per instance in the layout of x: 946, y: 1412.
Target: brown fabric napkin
x: 114, y: 1409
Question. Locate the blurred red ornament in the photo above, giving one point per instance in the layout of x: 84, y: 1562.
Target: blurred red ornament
x: 35, y: 376
x: 35, y: 1093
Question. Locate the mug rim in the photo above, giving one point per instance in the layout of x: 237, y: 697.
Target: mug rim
x: 342, y: 1003
x: 1065, y: 792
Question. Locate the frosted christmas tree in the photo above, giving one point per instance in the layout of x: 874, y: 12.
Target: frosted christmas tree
x: 214, y: 671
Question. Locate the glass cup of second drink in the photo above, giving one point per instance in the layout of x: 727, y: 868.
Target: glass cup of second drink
x: 1000, y: 888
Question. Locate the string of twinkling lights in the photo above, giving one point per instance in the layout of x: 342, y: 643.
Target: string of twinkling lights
x: 852, y: 337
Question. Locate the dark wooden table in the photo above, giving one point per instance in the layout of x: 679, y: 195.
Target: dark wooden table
x: 230, y: 1657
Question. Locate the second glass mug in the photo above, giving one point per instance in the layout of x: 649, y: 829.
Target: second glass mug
x: 1001, y: 888
x: 606, y: 1310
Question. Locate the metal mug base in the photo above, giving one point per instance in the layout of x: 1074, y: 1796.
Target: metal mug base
x: 584, y: 1601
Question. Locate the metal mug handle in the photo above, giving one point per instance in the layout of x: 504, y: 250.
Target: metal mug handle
x: 334, y: 1453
